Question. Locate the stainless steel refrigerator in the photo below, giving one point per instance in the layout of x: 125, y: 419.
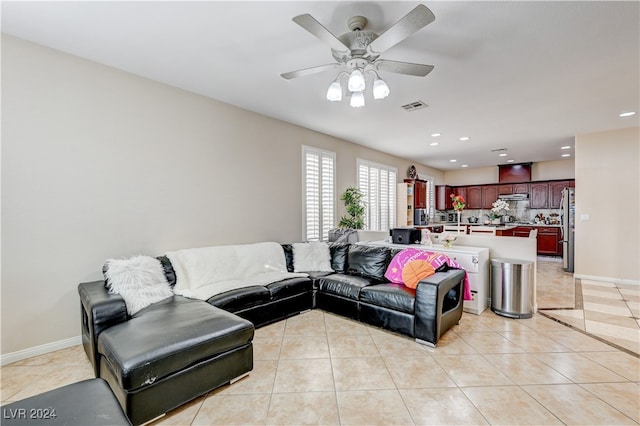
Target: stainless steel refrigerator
x: 568, y: 214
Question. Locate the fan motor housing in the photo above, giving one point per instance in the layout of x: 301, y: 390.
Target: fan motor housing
x: 357, y: 42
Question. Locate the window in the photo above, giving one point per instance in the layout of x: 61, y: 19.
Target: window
x: 318, y: 193
x: 378, y: 183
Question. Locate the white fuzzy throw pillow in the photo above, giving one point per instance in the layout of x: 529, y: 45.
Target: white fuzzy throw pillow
x: 311, y: 257
x: 140, y: 281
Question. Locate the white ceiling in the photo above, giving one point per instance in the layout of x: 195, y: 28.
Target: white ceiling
x: 525, y: 76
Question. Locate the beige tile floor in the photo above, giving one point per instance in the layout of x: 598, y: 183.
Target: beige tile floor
x: 608, y: 311
x: 319, y: 368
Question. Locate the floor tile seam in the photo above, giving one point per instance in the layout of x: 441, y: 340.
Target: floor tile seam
x: 462, y: 388
x: 603, y: 401
x: 333, y: 375
x: 581, y: 354
x: 571, y: 381
x: 206, y: 395
x: 542, y: 403
x: 411, y: 416
x: 484, y: 358
x: 613, y: 345
x: 627, y: 314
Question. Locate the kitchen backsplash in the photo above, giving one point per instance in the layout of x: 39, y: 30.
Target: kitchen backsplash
x: 518, y: 209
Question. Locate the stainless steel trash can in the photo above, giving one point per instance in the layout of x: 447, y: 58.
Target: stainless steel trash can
x: 512, y: 288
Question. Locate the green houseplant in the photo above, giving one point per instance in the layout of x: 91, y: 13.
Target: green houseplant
x: 354, y: 205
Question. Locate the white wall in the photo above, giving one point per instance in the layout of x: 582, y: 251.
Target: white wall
x: 98, y: 163
x: 543, y: 170
x: 608, y: 190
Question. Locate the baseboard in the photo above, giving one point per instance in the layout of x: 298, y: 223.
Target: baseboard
x: 39, y: 350
x: 607, y: 279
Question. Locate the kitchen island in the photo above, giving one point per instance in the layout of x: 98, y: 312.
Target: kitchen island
x: 549, y: 237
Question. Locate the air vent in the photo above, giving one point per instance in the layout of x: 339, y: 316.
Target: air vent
x: 499, y: 150
x: 414, y: 106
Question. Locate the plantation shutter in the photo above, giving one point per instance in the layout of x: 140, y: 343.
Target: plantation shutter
x: 378, y: 185
x: 319, y: 193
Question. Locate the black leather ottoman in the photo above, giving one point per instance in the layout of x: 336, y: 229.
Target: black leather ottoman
x: 172, y: 352
x: 84, y: 403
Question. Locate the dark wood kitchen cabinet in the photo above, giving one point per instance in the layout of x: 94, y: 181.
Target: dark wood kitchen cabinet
x: 419, y: 193
x: 555, y: 193
x: 443, y: 197
x: 520, y: 188
x: 489, y: 196
x: 474, y: 197
x: 505, y: 189
x: 516, y: 188
x: 549, y: 242
x: 539, y: 195
x: 460, y: 190
x: 521, y: 231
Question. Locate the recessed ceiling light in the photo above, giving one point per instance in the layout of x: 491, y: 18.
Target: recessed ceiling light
x: 504, y: 154
x: 465, y: 165
x: 509, y: 161
x: 566, y: 147
x: 566, y: 155
x: 434, y: 144
x: 435, y: 135
x: 465, y: 138
x: 452, y: 161
x: 627, y: 114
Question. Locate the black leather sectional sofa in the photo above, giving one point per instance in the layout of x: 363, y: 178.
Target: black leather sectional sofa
x: 177, y: 349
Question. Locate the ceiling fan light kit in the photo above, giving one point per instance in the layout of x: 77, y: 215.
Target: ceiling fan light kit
x: 358, y: 52
x: 357, y: 99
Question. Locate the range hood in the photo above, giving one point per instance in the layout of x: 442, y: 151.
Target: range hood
x: 514, y: 197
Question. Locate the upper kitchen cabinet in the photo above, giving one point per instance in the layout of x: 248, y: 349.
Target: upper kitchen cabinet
x: 443, y: 195
x: 489, y: 196
x: 520, y: 188
x: 505, y: 189
x: 539, y: 195
x: 555, y: 192
x: 514, y: 173
x: 461, y: 190
x: 419, y: 193
x: 474, y: 197
x: 516, y: 188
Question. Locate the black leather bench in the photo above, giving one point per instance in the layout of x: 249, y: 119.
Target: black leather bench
x: 89, y: 402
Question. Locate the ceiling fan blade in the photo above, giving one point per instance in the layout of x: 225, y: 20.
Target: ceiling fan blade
x: 418, y: 18
x: 419, y: 70
x: 310, y: 24
x: 308, y: 71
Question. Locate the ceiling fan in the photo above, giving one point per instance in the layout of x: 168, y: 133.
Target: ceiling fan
x: 359, y: 50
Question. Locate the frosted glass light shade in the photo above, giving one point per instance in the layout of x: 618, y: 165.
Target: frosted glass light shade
x: 356, y: 81
x: 357, y: 99
x: 380, y: 89
x: 334, y: 93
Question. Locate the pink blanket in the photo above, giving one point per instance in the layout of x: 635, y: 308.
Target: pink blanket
x: 407, y: 256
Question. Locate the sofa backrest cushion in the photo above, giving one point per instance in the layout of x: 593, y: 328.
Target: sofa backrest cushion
x: 368, y: 261
x: 339, y: 252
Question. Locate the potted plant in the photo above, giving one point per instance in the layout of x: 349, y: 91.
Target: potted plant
x: 500, y: 207
x: 354, y: 205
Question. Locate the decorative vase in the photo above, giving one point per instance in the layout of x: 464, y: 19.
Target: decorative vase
x: 458, y: 211
x: 447, y: 244
x: 495, y: 221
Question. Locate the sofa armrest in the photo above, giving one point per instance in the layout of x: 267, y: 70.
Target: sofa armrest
x: 99, y: 310
x: 433, y: 314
